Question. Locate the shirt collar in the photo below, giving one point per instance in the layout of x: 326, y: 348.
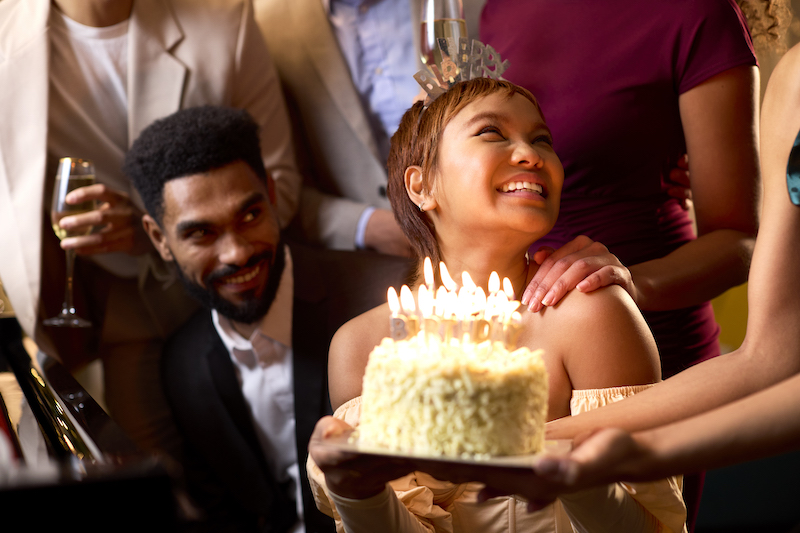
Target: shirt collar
x: 276, y: 324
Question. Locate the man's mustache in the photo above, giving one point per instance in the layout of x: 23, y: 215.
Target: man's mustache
x: 230, y: 270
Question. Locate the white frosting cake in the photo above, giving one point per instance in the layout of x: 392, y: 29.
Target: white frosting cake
x: 453, y: 399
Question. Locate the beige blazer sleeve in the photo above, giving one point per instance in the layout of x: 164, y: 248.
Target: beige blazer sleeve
x: 337, y: 154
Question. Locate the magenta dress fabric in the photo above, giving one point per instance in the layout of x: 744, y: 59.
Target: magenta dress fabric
x: 608, y: 74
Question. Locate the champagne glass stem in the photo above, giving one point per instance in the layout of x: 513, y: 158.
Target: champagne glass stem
x: 69, y: 307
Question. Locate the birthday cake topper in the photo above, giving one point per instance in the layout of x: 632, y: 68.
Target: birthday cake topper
x: 462, y: 60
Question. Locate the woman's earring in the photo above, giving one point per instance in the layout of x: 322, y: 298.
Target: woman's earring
x: 421, y: 206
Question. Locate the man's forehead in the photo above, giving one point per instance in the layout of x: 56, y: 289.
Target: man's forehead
x: 218, y: 193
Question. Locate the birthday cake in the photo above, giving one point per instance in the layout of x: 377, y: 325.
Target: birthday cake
x: 450, y: 386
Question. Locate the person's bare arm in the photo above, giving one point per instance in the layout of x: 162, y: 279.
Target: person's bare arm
x: 771, y: 349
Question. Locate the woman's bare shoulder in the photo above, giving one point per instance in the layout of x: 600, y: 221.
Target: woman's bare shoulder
x: 349, y: 352
x: 603, y: 338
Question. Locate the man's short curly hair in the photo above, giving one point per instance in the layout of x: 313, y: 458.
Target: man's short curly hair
x: 190, y: 141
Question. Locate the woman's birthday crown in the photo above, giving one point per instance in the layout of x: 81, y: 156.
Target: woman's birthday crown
x: 462, y: 60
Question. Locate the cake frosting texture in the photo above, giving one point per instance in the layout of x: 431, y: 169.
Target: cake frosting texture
x: 454, y: 399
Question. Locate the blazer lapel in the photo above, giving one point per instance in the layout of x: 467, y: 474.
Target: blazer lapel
x: 155, y: 78
x: 24, y: 55
x: 309, y: 17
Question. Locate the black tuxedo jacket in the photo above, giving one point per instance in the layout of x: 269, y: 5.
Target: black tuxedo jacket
x: 224, y: 467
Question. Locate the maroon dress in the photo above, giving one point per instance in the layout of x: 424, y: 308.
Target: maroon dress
x: 608, y: 74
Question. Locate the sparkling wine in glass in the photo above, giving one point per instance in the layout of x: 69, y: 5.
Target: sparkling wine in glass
x: 440, y: 19
x: 72, y: 174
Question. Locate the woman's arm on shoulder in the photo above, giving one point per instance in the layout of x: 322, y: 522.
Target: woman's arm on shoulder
x: 720, y: 125
x: 349, y: 353
x: 604, y: 340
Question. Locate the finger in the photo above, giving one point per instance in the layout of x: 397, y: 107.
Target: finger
x: 681, y: 193
x: 98, y: 192
x: 121, y: 240
x: 542, y: 253
x: 549, y: 270
x: 570, y: 270
x: 107, y: 218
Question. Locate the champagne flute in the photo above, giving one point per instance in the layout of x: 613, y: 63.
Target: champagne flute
x: 440, y: 19
x: 72, y: 174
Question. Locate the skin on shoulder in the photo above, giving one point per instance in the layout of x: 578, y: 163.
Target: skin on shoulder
x: 592, y: 341
x: 349, y: 352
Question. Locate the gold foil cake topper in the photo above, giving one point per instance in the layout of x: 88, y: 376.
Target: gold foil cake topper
x: 462, y: 60
x: 450, y: 313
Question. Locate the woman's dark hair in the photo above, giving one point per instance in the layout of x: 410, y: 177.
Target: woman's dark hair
x: 190, y: 141
x: 416, y: 142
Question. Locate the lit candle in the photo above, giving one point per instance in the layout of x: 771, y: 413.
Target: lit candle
x: 427, y: 270
x: 508, y: 288
x: 447, y: 281
x: 481, y: 328
x: 397, y: 324
x: 409, y: 308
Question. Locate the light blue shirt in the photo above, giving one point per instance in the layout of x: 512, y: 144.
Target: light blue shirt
x: 377, y: 42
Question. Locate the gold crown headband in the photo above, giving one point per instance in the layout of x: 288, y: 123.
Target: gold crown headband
x: 462, y: 60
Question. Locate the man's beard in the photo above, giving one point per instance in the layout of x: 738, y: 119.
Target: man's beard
x: 252, y: 308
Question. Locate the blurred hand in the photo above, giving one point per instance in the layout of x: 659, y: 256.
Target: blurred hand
x: 581, y: 263
x: 348, y: 474
x: 601, y: 457
x: 681, y: 186
x: 384, y: 235
x: 118, y: 219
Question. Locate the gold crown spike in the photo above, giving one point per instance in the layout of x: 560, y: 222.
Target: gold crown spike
x: 461, y: 61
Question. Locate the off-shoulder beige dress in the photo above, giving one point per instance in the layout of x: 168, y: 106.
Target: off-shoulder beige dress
x: 421, y: 503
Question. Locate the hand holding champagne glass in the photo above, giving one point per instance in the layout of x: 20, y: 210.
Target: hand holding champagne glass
x: 72, y: 174
x: 440, y: 19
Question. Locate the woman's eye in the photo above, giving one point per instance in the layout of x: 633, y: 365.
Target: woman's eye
x: 490, y: 130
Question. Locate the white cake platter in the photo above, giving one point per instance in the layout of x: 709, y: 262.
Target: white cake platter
x: 352, y: 445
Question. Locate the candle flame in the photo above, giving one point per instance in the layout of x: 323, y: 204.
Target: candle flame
x: 508, y: 288
x: 480, y: 299
x: 427, y: 269
x: 441, y: 300
x: 494, y: 282
x: 425, y: 301
x: 407, y: 299
x: 447, y: 281
x: 466, y: 281
x: 394, y: 302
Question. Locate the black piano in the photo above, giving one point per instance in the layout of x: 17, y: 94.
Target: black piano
x: 65, y: 464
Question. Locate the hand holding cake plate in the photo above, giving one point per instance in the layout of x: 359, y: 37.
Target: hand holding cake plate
x: 356, y: 470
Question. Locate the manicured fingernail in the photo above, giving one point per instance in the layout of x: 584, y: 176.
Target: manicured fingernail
x: 526, y: 297
x: 582, y: 285
x: 548, y: 299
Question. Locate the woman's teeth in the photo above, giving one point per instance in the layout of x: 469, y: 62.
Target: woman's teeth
x: 522, y: 185
x: 244, y: 278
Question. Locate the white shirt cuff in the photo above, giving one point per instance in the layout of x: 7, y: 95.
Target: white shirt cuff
x: 361, y: 228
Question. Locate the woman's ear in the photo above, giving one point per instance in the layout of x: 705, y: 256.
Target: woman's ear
x: 415, y: 188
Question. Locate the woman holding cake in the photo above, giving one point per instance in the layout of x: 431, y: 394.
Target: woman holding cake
x: 473, y: 180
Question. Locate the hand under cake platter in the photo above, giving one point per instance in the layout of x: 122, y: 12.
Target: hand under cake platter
x: 358, y: 471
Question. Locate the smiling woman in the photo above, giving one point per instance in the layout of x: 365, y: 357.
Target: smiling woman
x: 480, y: 161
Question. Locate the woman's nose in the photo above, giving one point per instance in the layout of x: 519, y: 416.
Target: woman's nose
x: 235, y: 249
x: 526, y: 155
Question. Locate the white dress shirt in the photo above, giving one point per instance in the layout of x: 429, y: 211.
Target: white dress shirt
x: 264, y: 366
